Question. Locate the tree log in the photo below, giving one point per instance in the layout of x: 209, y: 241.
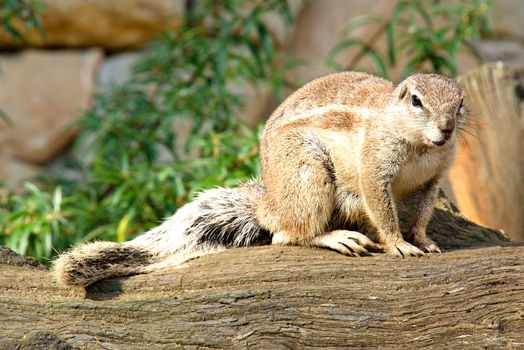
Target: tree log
x: 490, y: 152
x: 284, y: 297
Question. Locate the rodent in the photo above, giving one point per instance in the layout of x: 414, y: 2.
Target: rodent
x: 338, y: 158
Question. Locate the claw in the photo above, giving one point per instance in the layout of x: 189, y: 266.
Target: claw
x: 350, y: 243
x: 428, y: 246
x: 401, y: 249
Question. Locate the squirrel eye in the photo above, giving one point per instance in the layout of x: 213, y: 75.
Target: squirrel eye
x: 461, y: 108
x: 415, y: 101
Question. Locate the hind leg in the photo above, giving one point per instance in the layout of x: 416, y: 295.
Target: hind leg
x: 300, y: 189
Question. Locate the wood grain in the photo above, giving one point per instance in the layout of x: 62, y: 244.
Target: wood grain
x: 290, y: 297
x: 270, y: 297
x: 488, y: 176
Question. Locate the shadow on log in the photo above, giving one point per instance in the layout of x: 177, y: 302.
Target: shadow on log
x: 471, y: 296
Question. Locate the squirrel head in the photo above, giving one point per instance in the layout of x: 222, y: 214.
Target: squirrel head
x: 435, y: 109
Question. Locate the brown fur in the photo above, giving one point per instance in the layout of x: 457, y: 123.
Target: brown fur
x: 339, y: 157
x: 349, y: 148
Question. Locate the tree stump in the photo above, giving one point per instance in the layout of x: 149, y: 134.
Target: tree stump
x: 489, y: 155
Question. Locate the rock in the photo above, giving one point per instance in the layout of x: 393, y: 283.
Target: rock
x: 116, y: 24
x: 507, y: 17
x: 322, y: 25
x: 319, y: 28
x: 508, y: 51
x: 117, y: 69
x: 13, y: 172
x: 42, y: 93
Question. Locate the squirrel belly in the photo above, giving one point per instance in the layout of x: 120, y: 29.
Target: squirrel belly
x: 344, y: 152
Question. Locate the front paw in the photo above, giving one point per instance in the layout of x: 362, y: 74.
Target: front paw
x: 351, y: 243
x: 427, y: 245
x: 402, y: 249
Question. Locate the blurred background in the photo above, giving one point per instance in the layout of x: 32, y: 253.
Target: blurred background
x: 113, y: 114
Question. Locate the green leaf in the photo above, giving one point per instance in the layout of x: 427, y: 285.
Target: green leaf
x: 360, y: 21
x: 265, y: 38
x: 130, y: 176
x: 379, y: 63
x: 57, y: 199
x: 121, y: 230
x: 390, y: 31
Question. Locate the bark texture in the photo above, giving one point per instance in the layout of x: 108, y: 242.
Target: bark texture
x: 285, y: 297
x: 490, y: 153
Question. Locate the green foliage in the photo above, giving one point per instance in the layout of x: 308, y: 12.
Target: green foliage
x: 25, y: 12
x: 33, y: 221
x: 136, y: 169
x: 426, y: 33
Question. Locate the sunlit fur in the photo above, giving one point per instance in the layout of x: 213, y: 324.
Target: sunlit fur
x: 225, y: 214
x: 342, y: 153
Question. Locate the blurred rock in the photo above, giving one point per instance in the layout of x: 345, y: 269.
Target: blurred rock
x: 507, y: 17
x: 279, y: 26
x: 319, y: 28
x: 322, y: 25
x: 42, y: 93
x: 508, y: 51
x: 115, y: 24
x: 13, y: 172
x: 117, y: 69
x: 259, y: 103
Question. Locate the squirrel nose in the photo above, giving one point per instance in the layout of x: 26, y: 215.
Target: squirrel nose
x: 447, y: 125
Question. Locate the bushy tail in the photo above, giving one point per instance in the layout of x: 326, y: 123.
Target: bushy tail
x: 215, y: 220
x: 92, y: 262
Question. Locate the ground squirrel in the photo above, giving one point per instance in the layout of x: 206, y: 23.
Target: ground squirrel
x: 339, y: 157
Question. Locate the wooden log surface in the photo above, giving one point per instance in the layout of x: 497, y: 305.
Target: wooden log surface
x: 270, y: 297
x: 287, y: 297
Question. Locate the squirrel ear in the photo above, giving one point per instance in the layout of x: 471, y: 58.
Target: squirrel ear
x: 403, y: 92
